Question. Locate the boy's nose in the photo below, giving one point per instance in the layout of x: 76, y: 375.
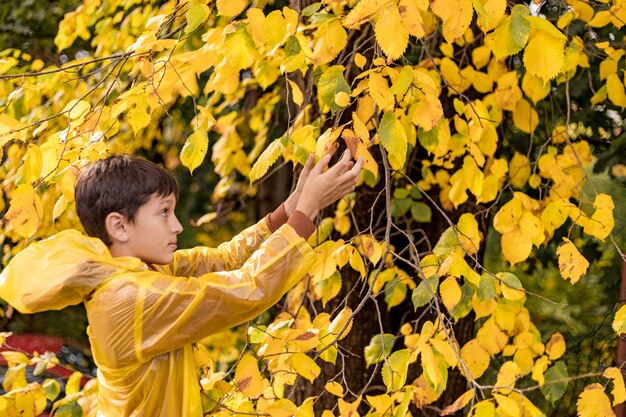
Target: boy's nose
x: 177, y: 227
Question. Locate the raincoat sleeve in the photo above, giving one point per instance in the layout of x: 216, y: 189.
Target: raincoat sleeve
x: 229, y: 255
x: 161, y: 312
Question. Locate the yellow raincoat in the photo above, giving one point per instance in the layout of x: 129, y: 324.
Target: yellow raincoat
x: 142, y: 322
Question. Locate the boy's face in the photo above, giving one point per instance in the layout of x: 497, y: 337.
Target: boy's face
x: 152, y: 236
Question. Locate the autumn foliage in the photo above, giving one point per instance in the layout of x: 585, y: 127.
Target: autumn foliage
x: 465, y: 116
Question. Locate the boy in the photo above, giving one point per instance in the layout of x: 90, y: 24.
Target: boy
x: 147, y: 303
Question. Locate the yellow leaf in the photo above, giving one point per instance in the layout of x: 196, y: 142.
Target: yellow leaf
x: 475, y: 358
x: 619, y: 322
x: 358, y: 148
x: 411, y: 18
x: 342, y: 99
x: 269, y: 156
x: 539, y: 368
x: 519, y: 170
x: 525, y: 117
x: 593, y: 402
x: 480, y: 56
x: 195, y: 149
x: 489, y: 12
x: 555, y: 348
x: 360, y: 60
x: 571, y: 263
x: 507, y: 375
x: 511, y: 286
x: 25, y: 211
x: 430, y: 365
x: 305, y: 366
x: 362, y: 12
x: 296, y: 94
x: 532, y: 228
x: 507, y: 405
x: 394, y: 370
x: 456, y: 16
x: 443, y: 347
x: 619, y: 391
x: 615, y: 90
x: 76, y: 109
x: 516, y: 247
x: 381, y: 403
x: 72, y: 386
x: 248, y: 378
x: 485, y: 408
x: 379, y: 90
x: 508, y: 217
x: 230, y: 8
x: 393, y: 137
x: 347, y: 409
x: 554, y: 215
x: 535, y: 88
x: 511, y: 34
x: 196, y: 15
x: 544, y: 55
x: 427, y: 112
x: 460, y: 402
x: 330, y: 39
x: 450, y: 292
x: 138, y: 116
x: 392, y: 42
x: 340, y: 321
x: 239, y: 49
x: 470, y: 236
x: 601, y: 222
x: 334, y: 388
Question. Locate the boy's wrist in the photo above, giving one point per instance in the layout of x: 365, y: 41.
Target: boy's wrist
x: 290, y: 204
x: 308, y: 209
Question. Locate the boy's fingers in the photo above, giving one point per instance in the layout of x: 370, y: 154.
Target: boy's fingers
x: 332, y: 149
x: 308, y: 166
x: 321, y: 164
x: 356, y: 169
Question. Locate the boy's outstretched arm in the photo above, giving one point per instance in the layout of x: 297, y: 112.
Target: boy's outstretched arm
x: 322, y: 188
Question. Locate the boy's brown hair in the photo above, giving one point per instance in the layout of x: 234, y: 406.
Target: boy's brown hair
x: 118, y: 184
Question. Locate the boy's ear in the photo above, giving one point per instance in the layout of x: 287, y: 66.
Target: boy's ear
x: 116, y: 227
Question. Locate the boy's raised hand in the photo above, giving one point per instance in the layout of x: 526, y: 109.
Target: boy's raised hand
x: 320, y: 189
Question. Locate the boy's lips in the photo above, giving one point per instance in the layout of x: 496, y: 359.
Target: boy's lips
x: 172, y: 245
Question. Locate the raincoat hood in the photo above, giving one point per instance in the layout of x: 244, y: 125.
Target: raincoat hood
x: 60, y: 271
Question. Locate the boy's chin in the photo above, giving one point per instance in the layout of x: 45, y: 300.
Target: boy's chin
x: 161, y: 260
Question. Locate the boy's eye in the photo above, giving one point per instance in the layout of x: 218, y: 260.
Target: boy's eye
x: 164, y: 212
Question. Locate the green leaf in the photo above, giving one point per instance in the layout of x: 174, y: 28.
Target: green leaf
x: 416, y: 194
x: 395, y: 370
x: 421, y: 212
x: 553, y: 391
x: 329, y: 84
x: 52, y: 389
x: 375, y: 352
x: 510, y: 280
x: 422, y: 295
x: 195, y: 16
x: 268, y: 158
x: 399, y: 207
x: 446, y: 243
x: 487, y: 287
x: 464, y: 306
x: 401, y: 193
x: 393, y: 138
x: 69, y: 409
x: 195, y: 149
x: 511, y: 34
x: 402, y: 82
x: 311, y: 8
x: 329, y: 288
